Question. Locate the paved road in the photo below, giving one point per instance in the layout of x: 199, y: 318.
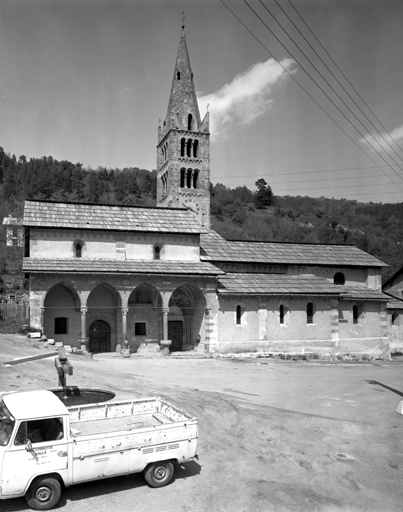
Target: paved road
x: 274, y: 436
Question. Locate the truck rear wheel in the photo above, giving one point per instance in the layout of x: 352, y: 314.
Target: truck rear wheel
x: 159, y: 474
x: 44, y: 494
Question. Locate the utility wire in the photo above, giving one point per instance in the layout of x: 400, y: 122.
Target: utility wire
x: 338, y: 81
x: 347, y: 80
x: 323, y: 91
x: 302, y: 172
x: 306, y: 92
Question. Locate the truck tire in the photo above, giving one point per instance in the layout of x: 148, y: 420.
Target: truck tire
x: 159, y: 474
x: 44, y: 494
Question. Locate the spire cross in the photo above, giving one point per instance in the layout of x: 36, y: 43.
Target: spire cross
x: 208, y: 104
x: 183, y: 20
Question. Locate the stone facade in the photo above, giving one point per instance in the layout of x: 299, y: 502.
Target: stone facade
x: 183, y: 151
x: 103, y: 275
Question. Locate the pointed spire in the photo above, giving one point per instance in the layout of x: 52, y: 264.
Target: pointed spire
x: 183, y: 111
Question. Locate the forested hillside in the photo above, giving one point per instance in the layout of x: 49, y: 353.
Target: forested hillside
x: 238, y: 213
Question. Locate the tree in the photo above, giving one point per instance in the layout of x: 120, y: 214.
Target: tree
x: 263, y: 195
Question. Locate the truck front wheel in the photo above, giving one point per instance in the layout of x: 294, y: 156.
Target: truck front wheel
x: 159, y: 474
x: 44, y: 494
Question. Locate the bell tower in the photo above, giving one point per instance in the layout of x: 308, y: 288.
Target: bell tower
x: 183, y: 150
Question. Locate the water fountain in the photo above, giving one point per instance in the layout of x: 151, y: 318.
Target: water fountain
x: 74, y: 395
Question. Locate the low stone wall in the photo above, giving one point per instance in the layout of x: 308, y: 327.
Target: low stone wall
x: 377, y: 348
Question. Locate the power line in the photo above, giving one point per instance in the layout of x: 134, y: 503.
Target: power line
x: 304, y: 89
x: 317, y: 84
x: 347, y: 80
x: 304, y: 172
x: 335, y: 77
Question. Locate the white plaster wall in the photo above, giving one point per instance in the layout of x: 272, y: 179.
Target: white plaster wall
x: 369, y: 322
x: 295, y: 326
x: 57, y: 243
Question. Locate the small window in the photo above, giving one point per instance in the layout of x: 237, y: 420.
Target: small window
x: 355, y: 314
x: 178, y: 75
x: 238, y: 315
x: 60, y: 325
x: 309, y: 313
x: 190, y: 120
x: 339, y: 278
x: 395, y: 318
x: 140, y: 328
x: 195, y: 147
x: 157, y: 252
x: 281, y: 314
x: 79, y: 249
x: 183, y: 145
x: 189, y: 178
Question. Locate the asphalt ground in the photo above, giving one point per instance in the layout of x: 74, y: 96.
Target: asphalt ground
x: 273, y: 435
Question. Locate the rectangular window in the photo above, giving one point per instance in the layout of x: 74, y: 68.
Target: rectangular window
x: 140, y: 328
x: 238, y: 315
x: 39, y: 431
x: 60, y: 325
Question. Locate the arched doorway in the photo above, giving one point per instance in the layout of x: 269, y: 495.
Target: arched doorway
x: 100, y: 337
x: 186, y: 317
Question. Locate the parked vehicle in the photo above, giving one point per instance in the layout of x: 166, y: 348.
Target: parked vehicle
x: 46, y: 446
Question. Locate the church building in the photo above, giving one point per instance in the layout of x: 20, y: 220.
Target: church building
x: 160, y: 278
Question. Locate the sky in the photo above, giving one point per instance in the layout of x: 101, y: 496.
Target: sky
x: 315, y: 109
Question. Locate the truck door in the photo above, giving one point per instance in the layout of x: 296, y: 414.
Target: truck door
x: 38, y: 447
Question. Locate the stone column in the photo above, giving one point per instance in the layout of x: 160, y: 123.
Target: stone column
x: 165, y: 342
x: 124, y: 324
x: 165, y: 312
x: 84, y: 340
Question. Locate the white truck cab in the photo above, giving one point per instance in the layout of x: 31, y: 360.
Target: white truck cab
x: 45, y: 446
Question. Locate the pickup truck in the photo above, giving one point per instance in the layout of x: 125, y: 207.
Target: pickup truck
x: 46, y: 446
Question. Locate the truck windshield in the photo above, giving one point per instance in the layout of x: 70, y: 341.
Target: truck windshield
x: 7, y: 423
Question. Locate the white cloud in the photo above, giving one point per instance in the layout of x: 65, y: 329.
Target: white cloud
x: 386, y: 140
x: 246, y: 98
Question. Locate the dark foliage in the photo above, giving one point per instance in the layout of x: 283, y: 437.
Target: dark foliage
x: 236, y: 213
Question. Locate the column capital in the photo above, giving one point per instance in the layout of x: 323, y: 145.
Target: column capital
x: 125, y: 311
x: 165, y: 311
x: 84, y: 310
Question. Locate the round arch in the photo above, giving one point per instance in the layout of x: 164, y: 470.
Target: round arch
x: 144, y: 316
x: 61, y: 320
x: 103, y: 304
x: 186, y: 323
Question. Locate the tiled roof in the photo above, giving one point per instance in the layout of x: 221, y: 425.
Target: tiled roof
x: 120, y: 218
x: 275, y: 284
x: 361, y: 293
x: 216, y: 248
x: 78, y: 265
x: 295, y: 284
